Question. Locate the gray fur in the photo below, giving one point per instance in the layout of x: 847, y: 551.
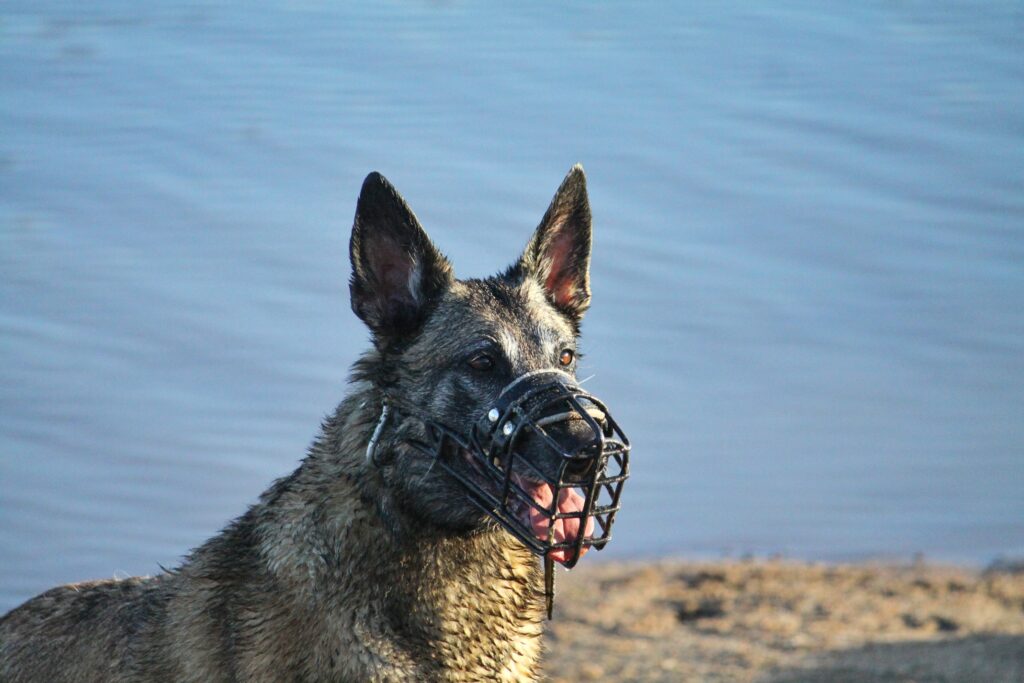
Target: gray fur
x: 349, y: 570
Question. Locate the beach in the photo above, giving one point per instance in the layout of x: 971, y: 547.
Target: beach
x: 784, y: 622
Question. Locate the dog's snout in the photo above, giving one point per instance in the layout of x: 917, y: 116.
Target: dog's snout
x: 546, y: 429
x: 565, y: 448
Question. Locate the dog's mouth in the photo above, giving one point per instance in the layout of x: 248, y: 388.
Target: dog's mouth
x: 559, y: 523
x: 553, y: 523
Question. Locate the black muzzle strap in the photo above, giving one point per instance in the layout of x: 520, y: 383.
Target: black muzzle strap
x: 371, y: 447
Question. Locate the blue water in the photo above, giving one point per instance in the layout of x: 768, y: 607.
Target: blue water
x: 808, y: 270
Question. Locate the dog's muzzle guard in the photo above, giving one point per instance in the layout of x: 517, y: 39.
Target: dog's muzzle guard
x: 560, y: 495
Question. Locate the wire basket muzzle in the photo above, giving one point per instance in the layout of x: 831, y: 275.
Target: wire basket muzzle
x: 554, y: 463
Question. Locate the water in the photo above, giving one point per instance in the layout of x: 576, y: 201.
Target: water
x: 808, y: 269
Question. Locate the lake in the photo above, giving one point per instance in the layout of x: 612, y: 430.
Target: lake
x: 808, y: 265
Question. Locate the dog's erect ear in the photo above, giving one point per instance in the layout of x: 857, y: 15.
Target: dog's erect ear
x: 397, y: 273
x: 558, y: 255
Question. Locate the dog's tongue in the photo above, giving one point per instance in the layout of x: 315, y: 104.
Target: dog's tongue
x: 564, y: 529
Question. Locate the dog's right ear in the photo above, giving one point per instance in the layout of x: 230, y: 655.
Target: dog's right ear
x: 397, y: 273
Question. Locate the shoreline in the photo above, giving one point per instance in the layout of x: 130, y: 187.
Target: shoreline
x: 783, y: 621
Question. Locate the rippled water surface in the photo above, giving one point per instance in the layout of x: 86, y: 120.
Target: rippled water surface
x: 808, y: 269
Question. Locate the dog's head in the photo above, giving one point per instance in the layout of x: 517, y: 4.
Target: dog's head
x: 487, y: 422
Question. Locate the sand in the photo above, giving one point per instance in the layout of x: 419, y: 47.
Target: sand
x: 783, y: 622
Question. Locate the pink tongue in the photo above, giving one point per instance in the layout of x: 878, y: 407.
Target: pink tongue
x: 564, y: 529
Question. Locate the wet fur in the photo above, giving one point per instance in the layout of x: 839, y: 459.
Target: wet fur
x: 349, y: 570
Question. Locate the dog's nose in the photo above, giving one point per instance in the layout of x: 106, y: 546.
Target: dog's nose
x: 578, y: 469
x: 579, y: 444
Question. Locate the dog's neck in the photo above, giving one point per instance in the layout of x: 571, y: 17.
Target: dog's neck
x: 476, y: 597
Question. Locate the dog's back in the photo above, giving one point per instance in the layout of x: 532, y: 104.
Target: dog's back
x: 79, y: 632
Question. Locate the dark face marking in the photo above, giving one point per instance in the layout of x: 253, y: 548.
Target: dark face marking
x: 428, y: 327
x: 510, y: 320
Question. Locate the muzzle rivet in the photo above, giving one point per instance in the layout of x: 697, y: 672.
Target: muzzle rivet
x: 508, y: 428
x: 493, y: 415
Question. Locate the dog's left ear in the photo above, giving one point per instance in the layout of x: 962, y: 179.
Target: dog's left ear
x: 397, y: 273
x: 558, y: 255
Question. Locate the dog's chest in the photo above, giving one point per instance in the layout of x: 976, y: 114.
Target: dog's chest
x: 489, y: 630
x: 432, y: 619
x: 472, y: 621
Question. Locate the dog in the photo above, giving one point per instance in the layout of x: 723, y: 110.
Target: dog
x: 405, y: 546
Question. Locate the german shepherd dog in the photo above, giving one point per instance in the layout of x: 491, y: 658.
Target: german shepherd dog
x: 404, y: 547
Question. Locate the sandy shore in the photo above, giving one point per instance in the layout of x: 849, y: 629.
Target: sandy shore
x: 784, y: 622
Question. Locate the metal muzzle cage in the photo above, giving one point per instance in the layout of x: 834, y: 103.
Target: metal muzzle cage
x: 546, y: 461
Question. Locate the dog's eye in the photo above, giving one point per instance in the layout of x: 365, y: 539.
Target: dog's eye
x: 482, y: 362
x: 566, y: 357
